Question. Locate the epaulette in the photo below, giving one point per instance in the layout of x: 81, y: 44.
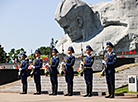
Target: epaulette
x: 113, y: 53
x: 65, y: 58
x: 84, y: 58
x: 20, y: 65
x: 34, y: 62
x: 56, y: 56
x: 92, y: 55
x: 73, y: 55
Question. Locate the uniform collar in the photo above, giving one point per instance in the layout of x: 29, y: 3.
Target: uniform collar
x: 54, y: 56
x: 37, y: 58
x: 23, y: 61
x: 69, y: 55
x: 88, y: 55
x: 110, y: 53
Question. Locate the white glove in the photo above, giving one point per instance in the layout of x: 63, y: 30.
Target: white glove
x: 20, y: 69
x: 63, y: 63
x: 32, y: 66
x: 47, y: 65
x: 103, y: 61
x: 82, y: 63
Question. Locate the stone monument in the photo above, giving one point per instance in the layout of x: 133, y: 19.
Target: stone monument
x: 114, y: 21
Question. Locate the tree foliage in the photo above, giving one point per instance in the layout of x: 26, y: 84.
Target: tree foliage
x: 2, y: 55
x: 16, y: 53
x: 46, y: 52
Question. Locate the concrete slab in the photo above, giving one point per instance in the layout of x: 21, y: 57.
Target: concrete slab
x: 14, y: 97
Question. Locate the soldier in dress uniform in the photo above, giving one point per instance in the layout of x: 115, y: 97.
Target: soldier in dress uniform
x: 109, y: 62
x: 53, y: 71
x: 23, y: 73
x: 69, y: 72
x: 88, y: 72
x: 37, y: 64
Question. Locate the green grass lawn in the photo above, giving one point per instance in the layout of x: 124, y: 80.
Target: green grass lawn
x: 124, y: 90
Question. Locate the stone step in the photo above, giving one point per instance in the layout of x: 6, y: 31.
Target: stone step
x: 117, y: 78
x: 95, y: 79
x: 79, y: 86
x: 64, y: 86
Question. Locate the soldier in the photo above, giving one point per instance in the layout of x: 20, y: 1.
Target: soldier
x: 53, y: 71
x: 109, y: 62
x: 37, y: 64
x: 69, y: 73
x: 88, y: 73
x: 23, y: 73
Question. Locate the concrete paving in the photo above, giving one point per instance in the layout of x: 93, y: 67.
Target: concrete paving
x: 16, y: 97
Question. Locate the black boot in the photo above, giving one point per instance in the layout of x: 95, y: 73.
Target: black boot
x: 39, y: 89
x: 52, y: 91
x: 87, y: 91
x: 36, y: 90
x: 24, y: 89
x: 68, y: 92
x: 55, y: 90
x: 109, y: 90
x: 90, y: 91
x: 112, y: 92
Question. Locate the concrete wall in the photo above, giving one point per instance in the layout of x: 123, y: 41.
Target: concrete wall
x: 10, y: 75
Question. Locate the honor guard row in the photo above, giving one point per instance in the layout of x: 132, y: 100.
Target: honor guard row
x: 67, y: 66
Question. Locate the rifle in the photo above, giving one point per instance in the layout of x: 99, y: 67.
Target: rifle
x: 32, y: 71
x: 80, y: 69
x: 103, y: 66
x: 47, y: 69
x: 61, y: 67
x: 19, y: 72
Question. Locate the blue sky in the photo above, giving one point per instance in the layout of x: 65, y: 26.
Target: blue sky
x: 29, y: 23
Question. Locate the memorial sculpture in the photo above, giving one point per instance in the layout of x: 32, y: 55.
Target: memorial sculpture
x: 115, y: 21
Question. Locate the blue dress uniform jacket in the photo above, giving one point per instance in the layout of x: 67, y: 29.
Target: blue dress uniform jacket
x: 69, y: 73
x: 38, y: 64
x: 110, y: 69
x: 110, y: 62
x: 24, y: 67
x: 53, y: 70
x: 88, y: 62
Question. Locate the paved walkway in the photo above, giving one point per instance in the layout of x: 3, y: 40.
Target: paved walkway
x: 16, y: 97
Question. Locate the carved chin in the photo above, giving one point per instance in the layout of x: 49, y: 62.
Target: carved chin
x: 74, y: 39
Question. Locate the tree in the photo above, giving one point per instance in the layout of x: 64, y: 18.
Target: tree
x: 2, y: 55
x: 12, y: 53
x: 45, y: 51
x: 32, y: 56
x: 16, y: 53
x: 52, y: 44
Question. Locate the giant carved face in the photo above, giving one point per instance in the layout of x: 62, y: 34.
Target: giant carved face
x: 72, y: 28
